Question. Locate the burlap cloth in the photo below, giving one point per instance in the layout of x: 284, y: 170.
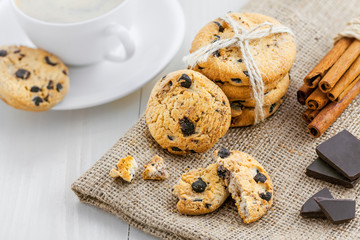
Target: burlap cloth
x: 281, y: 144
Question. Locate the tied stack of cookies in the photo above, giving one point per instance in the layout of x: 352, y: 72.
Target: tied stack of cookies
x: 234, y: 65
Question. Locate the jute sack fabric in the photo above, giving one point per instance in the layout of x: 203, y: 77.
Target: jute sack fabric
x: 280, y: 144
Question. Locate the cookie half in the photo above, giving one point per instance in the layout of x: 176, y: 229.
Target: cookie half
x: 187, y: 112
x: 248, y: 182
x: 273, y: 55
x: 200, y: 191
x: 31, y: 79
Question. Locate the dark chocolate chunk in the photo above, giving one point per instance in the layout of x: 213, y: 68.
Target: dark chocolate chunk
x: 207, y: 205
x: 266, y: 196
x: 223, y: 153
x: 321, y: 170
x: 185, y: 81
x: 342, y: 152
x: 48, y: 61
x: 176, y: 149
x: 246, y: 73
x: 236, y: 80
x: 50, y: 85
x: 239, y: 60
x: 217, y: 38
x: 187, y: 127
x: 3, y: 53
x: 46, y: 98
x: 311, y: 209
x: 22, y: 73
x: 337, y: 210
x: 221, y: 172
x: 199, y: 185
x: 272, y: 107
x: 221, y: 28
x: 64, y: 72
x: 59, y: 87
x: 200, y: 67
x: 216, y: 53
x: 35, y: 89
x: 37, y: 100
x: 197, y: 200
x: 259, y: 177
x: 170, y: 137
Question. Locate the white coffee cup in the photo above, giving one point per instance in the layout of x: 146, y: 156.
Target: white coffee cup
x: 85, y: 42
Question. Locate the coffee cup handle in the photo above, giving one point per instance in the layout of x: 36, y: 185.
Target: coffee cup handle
x: 126, y: 40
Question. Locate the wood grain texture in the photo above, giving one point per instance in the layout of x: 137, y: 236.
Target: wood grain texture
x: 41, y: 154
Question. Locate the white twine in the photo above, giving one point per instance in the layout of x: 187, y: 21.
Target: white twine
x: 241, y: 39
x: 352, y: 30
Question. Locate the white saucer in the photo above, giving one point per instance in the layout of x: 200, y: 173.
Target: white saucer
x: 159, y: 32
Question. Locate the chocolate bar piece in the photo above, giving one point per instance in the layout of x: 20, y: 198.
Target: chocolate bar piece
x: 342, y: 152
x: 321, y: 170
x: 337, y: 210
x: 311, y: 209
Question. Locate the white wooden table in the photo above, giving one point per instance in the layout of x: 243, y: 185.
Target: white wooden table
x: 41, y: 154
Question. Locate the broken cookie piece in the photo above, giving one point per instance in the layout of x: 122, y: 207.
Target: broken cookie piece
x: 155, y: 169
x: 248, y: 182
x: 126, y: 169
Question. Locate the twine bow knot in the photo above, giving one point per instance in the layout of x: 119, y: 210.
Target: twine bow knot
x: 241, y: 39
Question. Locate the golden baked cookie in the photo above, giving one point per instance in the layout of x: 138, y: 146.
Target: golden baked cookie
x: 248, y: 182
x: 200, y: 191
x: 187, y: 112
x: 273, y: 55
x: 155, y: 169
x: 125, y: 168
x: 247, y: 116
x: 31, y: 79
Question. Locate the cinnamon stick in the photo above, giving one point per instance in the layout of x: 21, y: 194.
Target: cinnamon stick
x: 340, y: 67
x: 314, y: 77
x: 331, y: 112
x: 306, y: 115
x: 303, y: 93
x: 317, y: 100
x: 346, y: 82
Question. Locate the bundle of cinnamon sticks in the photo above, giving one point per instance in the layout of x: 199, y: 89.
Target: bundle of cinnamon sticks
x: 331, y: 86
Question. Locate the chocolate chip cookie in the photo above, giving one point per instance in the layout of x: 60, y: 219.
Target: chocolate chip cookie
x: 200, y: 191
x: 187, y: 112
x: 248, y: 182
x: 273, y: 55
x: 31, y: 79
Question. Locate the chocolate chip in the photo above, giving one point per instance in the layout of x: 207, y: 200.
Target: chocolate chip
x: 217, y: 38
x: 259, y: 177
x: 3, y: 53
x: 37, y: 100
x: 239, y: 60
x: 221, y: 172
x: 236, y: 80
x: 187, y: 127
x: 35, y: 89
x: 193, y: 151
x: 246, y: 73
x: 59, y: 87
x: 195, y: 140
x: 50, y: 85
x: 64, y: 72
x: 197, y: 200
x: 170, y: 83
x: 223, y: 102
x: 223, y: 153
x: 200, y: 67
x: 272, y: 107
x: 221, y: 28
x: 17, y: 51
x: 176, y: 149
x: 216, y: 53
x: 48, y: 61
x: 266, y: 196
x: 199, y: 185
x: 46, y: 98
x: 207, y: 205
x: 170, y: 137
x: 185, y: 81
x: 22, y: 73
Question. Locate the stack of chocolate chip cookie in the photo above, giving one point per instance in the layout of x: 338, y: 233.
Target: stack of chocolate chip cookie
x: 273, y: 55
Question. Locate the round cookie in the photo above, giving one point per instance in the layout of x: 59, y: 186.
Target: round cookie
x: 187, y: 112
x: 273, y: 96
x: 31, y: 79
x: 248, y: 182
x: 200, y: 191
x: 273, y: 55
x: 247, y: 115
x: 235, y: 93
